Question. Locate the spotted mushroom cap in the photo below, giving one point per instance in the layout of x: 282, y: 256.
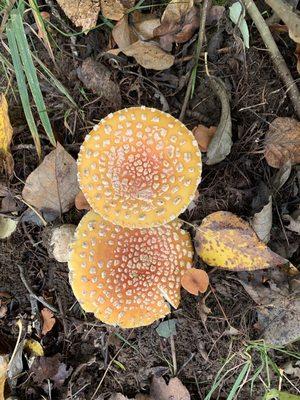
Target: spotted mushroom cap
x: 139, y: 167
x: 128, y: 277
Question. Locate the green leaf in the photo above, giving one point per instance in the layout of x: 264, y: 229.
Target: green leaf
x: 275, y: 394
x: 167, y: 328
x: 237, y: 16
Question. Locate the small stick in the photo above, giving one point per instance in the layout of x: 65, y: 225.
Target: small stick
x: 275, y: 54
x: 196, y: 58
x: 31, y: 292
x: 173, y: 351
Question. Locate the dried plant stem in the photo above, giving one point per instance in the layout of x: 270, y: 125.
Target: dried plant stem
x: 196, y: 57
x: 275, y: 54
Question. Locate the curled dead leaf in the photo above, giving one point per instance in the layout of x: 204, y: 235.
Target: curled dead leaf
x: 178, y: 23
x: 48, y: 320
x: 282, y: 142
x: 204, y: 135
x: 195, y: 281
x: 6, y: 132
x: 226, y: 241
x: 83, y: 13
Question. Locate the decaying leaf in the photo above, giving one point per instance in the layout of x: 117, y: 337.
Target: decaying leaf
x: 195, y: 281
x: 53, y: 185
x: 3, y: 374
x: 115, y: 9
x: 221, y: 143
x: 81, y: 202
x: 96, y: 77
x: 167, y: 328
x: 83, y: 13
x: 48, y: 320
x: 204, y: 135
x: 144, y: 25
x: 44, y: 368
x: 7, y: 227
x: 278, y: 304
x: 178, y: 23
x: 123, y: 34
x: 293, y: 221
x: 175, y: 390
x: 6, y: 132
x: 282, y: 142
x: 226, y: 241
x: 33, y: 348
x: 262, y: 222
x: 149, y: 55
x: 237, y: 16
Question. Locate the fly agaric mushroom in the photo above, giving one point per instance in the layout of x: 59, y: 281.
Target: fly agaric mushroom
x: 139, y: 167
x: 128, y: 277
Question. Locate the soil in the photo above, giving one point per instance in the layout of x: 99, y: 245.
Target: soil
x: 124, y: 360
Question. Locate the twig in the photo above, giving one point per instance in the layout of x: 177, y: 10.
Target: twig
x: 275, y: 54
x: 196, y: 58
x: 31, y: 292
x: 173, y: 351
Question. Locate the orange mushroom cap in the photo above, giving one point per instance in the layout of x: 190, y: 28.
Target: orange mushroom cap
x: 195, y: 281
x: 128, y: 277
x: 140, y: 167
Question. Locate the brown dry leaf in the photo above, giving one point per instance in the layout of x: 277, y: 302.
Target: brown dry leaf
x: 53, y: 185
x: 48, y: 320
x: 3, y: 375
x: 81, y: 202
x: 175, y: 390
x: 178, y: 23
x: 83, y: 13
x: 203, y: 135
x: 115, y: 9
x: 144, y: 25
x: 123, y: 34
x: 96, y: 77
x: 44, y: 368
x: 282, y: 142
x: 149, y: 55
x: 195, y: 281
x: 6, y: 132
x: 226, y: 241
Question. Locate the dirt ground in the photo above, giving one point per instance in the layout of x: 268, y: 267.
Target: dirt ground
x: 88, y: 352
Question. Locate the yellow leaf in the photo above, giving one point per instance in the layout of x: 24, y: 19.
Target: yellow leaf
x: 33, y: 348
x: 3, y: 374
x: 6, y: 132
x: 226, y: 241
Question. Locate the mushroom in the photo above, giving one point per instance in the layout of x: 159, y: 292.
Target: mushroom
x: 139, y: 167
x: 195, y: 281
x: 128, y: 277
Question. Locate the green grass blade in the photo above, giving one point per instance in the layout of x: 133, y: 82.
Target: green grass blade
x: 23, y: 88
x: 238, y: 381
x: 30, y: 72
x: 55, y: 82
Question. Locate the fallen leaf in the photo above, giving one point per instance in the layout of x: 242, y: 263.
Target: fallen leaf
x: 281, y: 176
x: 149, y: 55
x: 144, y: 25
x: 33, y: 348
x: 226, y: 241
x: 44, y: 368
x: 282, y: 142
x: 289, y: 369
x: 262, y: 222
x: 3, y: 374
x: 204, y: 135
x: 214, y: 14
x: 294, y: 221
x: 175, y: 390
x: 97, y: 78
x: 123, y: 34
x: 278, y: 305
x: 48, y: 320
x: 83, y: 13
x: 81, y: 202
x: 7, y: 227
x: 53, y: 185
x: 275, y: 394
x: 195, y: 281
x: 237, y: 16
x: 167, y: 328
x: 221, y: 143
x: 6, y: 132
x: 115, y: 9
x: 178, y: 23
